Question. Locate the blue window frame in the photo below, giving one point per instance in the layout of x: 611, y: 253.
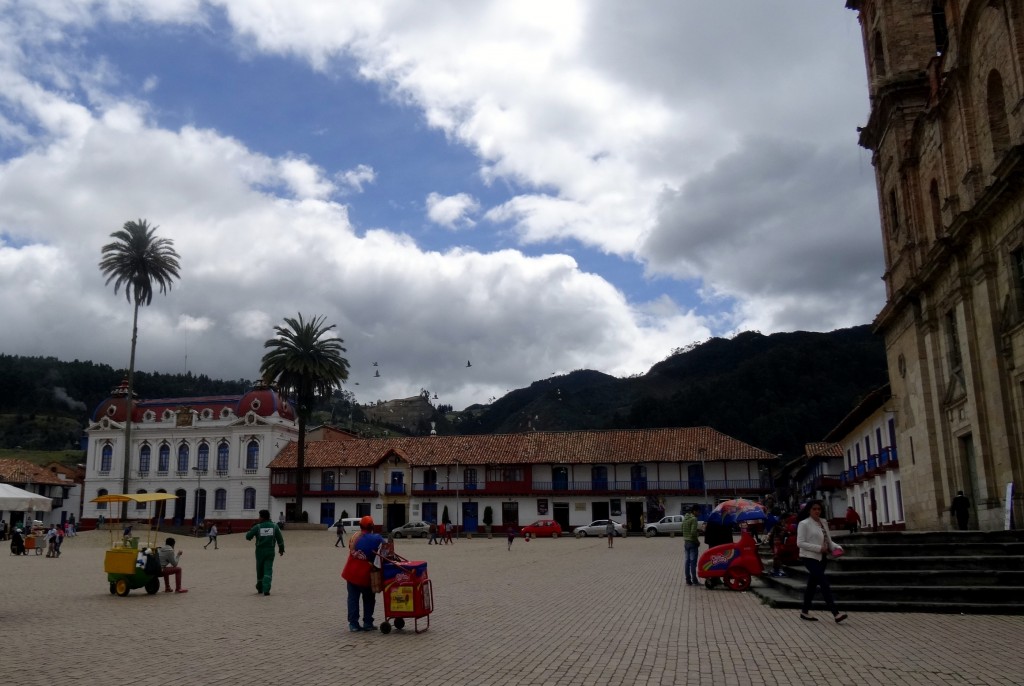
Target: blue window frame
x: 101, y: 492
x: 249, y: 499
x: 220, y: 499
x: 144, y: 454
x: 222, y: 456
x: 203, y: 457
x: 106, y: 456
x: 164, y: 458
x: 183, y: 457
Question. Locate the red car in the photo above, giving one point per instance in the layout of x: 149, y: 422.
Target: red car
x: 542, y: 527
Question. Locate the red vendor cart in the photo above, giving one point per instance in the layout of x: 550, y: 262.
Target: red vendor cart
x: 407, y: 592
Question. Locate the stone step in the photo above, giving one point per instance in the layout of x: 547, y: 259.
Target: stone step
x: 916, y: 577
x: 962, y: 563
x: 929, y: 537
x: 773, y: 597
x: 843, y: 591
x: 947, y: 549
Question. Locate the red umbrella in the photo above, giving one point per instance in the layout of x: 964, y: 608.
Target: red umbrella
x: 737, y: 510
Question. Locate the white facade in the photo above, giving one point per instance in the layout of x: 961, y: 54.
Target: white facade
x: 215, y: 460
x: 872, y: 474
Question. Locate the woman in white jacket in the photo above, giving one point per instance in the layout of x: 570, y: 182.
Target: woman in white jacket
x: 815, y: 544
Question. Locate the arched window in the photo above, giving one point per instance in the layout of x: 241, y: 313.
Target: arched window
x: 101, y: 492
x: 144, y: 454
x: 164, y: 458
x: 220, y: 499
x: 878, y: 53
x: 140, y: 506
x: 203, y: 456
x: 183, y: 457
x: 222, y: 456
x: 106, y: 455
x: 997, y: 124
x: 252, y: 455
x: 249, y: 499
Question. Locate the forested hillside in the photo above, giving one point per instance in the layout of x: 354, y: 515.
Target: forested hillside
x: 775, y: 392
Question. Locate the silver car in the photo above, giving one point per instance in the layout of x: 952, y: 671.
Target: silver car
x: 598, y: 527
x: 412, y: 530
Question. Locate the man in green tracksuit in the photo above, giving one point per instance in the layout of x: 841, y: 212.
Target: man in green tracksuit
x: 267, y: 535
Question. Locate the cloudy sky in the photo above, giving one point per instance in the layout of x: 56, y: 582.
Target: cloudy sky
x: 532, y: 186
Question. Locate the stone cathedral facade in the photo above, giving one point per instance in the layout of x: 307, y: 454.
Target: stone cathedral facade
x: 946, y: 132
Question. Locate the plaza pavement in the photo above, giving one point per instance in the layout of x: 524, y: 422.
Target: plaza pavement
x: 563, y: 611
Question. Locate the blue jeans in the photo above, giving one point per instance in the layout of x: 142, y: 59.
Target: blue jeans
x: 690, y: 560
x: 369, y: 603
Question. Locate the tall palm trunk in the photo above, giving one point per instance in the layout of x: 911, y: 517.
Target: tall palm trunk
x: 300, y: 481
x: 128, y: 417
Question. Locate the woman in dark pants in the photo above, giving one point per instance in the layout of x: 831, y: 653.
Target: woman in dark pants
x: 815, y: 543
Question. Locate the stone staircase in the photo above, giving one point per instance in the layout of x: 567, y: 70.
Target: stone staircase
x: 976, y: 572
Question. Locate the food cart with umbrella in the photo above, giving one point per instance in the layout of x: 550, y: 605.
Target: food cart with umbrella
x: 126, y: 564
x: 734, y: 563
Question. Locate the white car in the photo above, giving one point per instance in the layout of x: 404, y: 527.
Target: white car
x: 673, y: 524
x: 598, y: 527
x: 412, y: 530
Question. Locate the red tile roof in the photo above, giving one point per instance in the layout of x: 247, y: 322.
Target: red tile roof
x: 564, y: 447
x: 823, y: 449
x: 22, y: 471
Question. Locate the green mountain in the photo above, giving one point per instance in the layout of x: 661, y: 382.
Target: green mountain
x: 775, y: 392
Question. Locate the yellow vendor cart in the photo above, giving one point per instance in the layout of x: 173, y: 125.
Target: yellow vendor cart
x: 128, y: 564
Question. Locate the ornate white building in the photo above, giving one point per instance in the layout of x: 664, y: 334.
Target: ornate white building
x: 211, y: 451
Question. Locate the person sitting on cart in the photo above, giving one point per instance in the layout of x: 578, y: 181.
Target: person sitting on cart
x: 169, y: 565
x: 362, y: 555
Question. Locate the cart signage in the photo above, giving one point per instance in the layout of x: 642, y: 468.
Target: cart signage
x: 401, y: 600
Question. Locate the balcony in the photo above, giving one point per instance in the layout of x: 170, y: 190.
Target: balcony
x: 222, y: 472
x: 345, y: 490
x: 162, y: 472
x: 142, y: 473
x: 395, y: 489
x: 872, y: 467
x: 625, y: 487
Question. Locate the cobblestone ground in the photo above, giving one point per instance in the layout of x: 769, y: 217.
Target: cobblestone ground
x: 560, y: 611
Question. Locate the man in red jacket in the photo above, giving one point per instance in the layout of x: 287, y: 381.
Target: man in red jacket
x: 362, y: 555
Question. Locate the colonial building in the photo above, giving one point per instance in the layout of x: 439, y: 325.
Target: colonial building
x: 53, y: 481
x: 946, y: 84
x: 573, y: 477
x: 212, y: 452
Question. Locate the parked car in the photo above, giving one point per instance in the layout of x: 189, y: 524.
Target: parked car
x: 412, y: 530
x: 542, y: 527
x: 598, y: 527
x: 673, y: 524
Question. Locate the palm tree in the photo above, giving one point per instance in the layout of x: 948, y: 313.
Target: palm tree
x: 136, y: 260
x: 306, y: 364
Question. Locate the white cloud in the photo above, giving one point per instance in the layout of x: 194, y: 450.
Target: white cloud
x: 356, y: 177
x: 741, y: 174
x: 452, y: 211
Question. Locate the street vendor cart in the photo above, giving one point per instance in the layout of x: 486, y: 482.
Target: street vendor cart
x: 408, y: 593
x: 127, y: 564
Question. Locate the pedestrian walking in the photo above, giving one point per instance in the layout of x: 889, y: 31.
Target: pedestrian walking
x: 691, y: 544
x: 609, y: 530
x: 433, y: 534
x: 511, y: 533
x: 815, y: 543
x: 363, y: 549
x: 339, y: 526
x: 211, y: 535
x: 448, y: 534
x: 961, y: 509
x: 267, y: 535
x: 852, y: 520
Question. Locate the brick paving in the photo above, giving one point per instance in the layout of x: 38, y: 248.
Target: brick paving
x: 563, y: 611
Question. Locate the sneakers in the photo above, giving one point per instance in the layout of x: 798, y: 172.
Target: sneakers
x: 259, y: 589
x: 808, y: 618
x: 841, y: 617
x: 355, y: 628
x: 369, y: 627
x: 185, y: 590
x: 689, y: 583
x: 167, y: 590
